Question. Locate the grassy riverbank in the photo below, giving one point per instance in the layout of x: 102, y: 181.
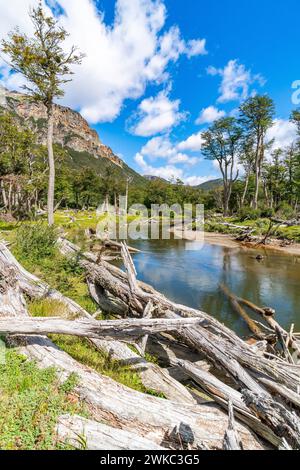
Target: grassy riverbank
x: 259, y: 226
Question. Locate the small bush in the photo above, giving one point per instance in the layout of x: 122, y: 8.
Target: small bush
x: 247, y: 213
x: 285, y: 211
x: 267, y: 213
x: 36, y: 241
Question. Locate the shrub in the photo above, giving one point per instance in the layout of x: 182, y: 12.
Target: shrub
x: 36, y: 241
x: 267, y: 213
x: 247, y: 213
x: 285, y: 211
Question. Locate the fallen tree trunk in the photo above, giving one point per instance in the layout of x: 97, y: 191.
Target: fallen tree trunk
x: 268, y: 315
x: 84, y: 434
x: 223, y: 395
x: 253, y: 327
x: 285, y: 422
x: 126, y: 330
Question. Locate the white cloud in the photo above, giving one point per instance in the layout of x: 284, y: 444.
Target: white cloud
x: 158, y: 147
x: 156, y: 115
x: 209, y: 115
x: 170, y: 172
x: 197, y: 180
x: 121, y: 59
x: 193, y: 143
x: 162, y: 148
x: 236, y: 81
x: 284, y: 132
x: 167, y: 172
x: 196, y: 47
x: 183, y: 158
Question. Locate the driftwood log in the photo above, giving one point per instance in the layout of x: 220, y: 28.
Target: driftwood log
x: 84, y: 434
x: 253, y: 327
x: 125, y: 330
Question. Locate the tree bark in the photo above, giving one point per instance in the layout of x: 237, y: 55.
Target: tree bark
x: 124, y: 330
x: 84, y: 434
x: 245, y: 190
x: 51, y: 184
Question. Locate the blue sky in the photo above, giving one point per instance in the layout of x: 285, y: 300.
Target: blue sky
x: 158, y: 71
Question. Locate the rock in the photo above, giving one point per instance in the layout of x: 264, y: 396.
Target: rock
x: 70, y: 128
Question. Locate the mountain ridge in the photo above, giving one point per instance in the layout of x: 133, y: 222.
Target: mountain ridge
x: 71, y: 131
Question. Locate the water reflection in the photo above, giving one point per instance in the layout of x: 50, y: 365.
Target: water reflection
x: 193, y: 278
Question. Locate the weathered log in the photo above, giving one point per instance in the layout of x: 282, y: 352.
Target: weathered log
x: 268, y: 315
x: 84, y: 434
x: 33, y: 286
x: 142, y: 343
x: 232, y: 440
x: 223, y: 395
x: 253, y: 327
x: 124, y: 330
x: 153, y: 377
x: 285, y: 422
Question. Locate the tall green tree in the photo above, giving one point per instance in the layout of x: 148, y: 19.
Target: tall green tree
x: 42, y: 60
x: 222, y: 142
x: 256, y: 116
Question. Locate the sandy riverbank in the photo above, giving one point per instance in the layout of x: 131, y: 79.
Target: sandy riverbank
x: 229, y: 242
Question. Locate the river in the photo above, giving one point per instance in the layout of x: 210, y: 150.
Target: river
x: 193, y: 278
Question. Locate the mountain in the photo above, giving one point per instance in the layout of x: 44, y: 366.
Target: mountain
x: 155, y: 178
x: 210, y: 185
x: 72, y: 132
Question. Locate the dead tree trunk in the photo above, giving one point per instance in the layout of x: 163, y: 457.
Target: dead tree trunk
x: 84, y: 434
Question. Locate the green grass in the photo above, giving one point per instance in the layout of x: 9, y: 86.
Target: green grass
x: 31, y: 401
x: 84, y: 352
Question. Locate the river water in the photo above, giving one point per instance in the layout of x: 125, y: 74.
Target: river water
x: 193, y: 278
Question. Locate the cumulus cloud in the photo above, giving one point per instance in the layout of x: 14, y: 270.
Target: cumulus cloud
x: 196, y: 47
x: 167, y: 172
x: 121, y: 59
x: 193, y: 143
x: 209, y: 115
x: 156, y: 115
x: 162, y: 148
x: 283, y: 132
x: 236, y: 81
x: 170, y: 172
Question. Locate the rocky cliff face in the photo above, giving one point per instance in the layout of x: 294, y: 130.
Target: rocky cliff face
x: 70, y: 128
